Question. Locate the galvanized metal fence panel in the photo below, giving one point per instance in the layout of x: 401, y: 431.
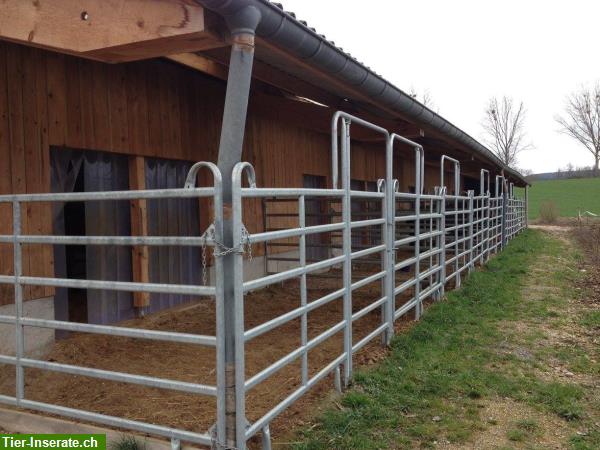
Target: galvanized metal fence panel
x: 18, y: 238
x: 416, y: 243
x: 428, y: 241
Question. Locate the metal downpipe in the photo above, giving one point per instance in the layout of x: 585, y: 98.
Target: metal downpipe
x: 242, y: 25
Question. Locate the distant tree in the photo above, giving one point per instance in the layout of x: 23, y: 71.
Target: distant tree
x: 426, y: 98
x: 582, y: 172
x: 526, y: 172
x: 504, y: 124
x: 569, y: 169
x: 581, y: 120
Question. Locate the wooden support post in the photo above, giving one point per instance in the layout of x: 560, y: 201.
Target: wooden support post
x: 139, y: 227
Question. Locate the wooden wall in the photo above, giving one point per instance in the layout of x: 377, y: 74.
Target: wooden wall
x: 151, y: 108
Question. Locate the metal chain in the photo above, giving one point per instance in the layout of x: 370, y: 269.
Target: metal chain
x: 244, y: 247
x: 208, y: 234
x: 246, y: 239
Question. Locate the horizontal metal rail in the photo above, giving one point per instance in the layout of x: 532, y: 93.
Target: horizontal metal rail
x: 126, y: 286
x: 150, y: 194
x: 110, y: 375
x: 112, y: 421
x: 136, y: 333
x: 162, y: 241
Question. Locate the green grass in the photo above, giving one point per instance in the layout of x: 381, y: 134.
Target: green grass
x: 591, y: 320
x: 127, y: 442
x: 431, y: 385
x: 570, y: 196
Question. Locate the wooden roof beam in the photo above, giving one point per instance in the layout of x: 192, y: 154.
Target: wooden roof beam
x: 111, y: 30
x: 289, y: 83
x: 310, y: 115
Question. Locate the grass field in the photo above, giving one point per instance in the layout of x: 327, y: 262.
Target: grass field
x: 569, y: 195
x: 498, y: 365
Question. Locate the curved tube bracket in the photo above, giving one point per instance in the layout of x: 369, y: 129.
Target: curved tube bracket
x: 190, y: 179
x: 239, y: 169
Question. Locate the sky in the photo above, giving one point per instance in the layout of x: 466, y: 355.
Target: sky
x: 463, y: 52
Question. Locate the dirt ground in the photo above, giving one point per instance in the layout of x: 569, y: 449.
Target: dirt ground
x: 560, y: 348
x: 503, y: 414
x: 196, y: 364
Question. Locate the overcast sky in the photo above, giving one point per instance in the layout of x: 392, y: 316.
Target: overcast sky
x: 465, y: 51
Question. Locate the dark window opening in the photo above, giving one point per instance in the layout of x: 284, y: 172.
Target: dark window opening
x: 75, y: 255
x: 91, y: 171
x: 471, y: 184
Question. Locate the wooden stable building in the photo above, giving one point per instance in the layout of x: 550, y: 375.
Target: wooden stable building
x: 95, y: 97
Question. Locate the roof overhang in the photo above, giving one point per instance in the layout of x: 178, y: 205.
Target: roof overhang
x: 289, y: 54
x: 288, y: 44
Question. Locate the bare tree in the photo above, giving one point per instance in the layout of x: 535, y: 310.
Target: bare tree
x: 569, y: 169
x: 426, y: 98
x: 526, y: 172
x: 581, y: 120
x: 504, y: 124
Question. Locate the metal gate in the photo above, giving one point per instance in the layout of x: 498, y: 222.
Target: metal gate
x: 420, y: 243
x: 448, y: 235
x: 19, y: 239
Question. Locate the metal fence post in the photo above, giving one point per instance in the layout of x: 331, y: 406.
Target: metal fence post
x: 431, y: 240
x: 442, y: 193
x: 471, y: 229
x: 418, y: 250
x: 347, y: 249
x: 19, y: 329
x: 390, y: 205
x: 526, y: 206
x: 238, y: 326
x: 381, y: 187
x: 504, y: 213
x: 484, y: 193
x: 487, y: 202
x: 388, y: 261
x: 221, y: 428
x: 456, y: 244
x: 266, y: 438
x: 303, y: 287
x: 238, y: 281
x: 454, y: 213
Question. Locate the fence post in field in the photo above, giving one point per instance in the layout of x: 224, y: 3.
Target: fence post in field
x: 347, y: 248
x: 484, y: 193
x: 442, y: 211
x: 504, y: 212
x: 526, y: 206
x: 471, y: 229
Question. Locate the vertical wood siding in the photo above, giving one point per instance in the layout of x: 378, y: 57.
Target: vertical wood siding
x: 151, y: 108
